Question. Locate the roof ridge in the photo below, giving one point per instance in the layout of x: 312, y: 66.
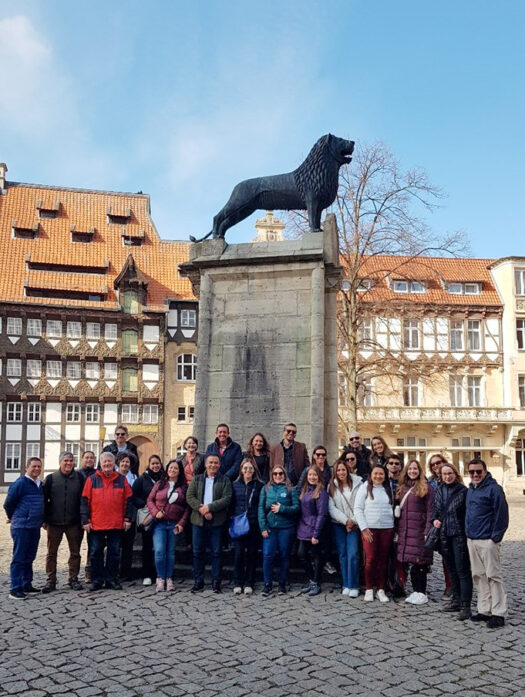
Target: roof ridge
x: 76, y: 189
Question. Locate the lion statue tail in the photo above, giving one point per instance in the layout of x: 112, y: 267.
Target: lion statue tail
x: 194, y: 239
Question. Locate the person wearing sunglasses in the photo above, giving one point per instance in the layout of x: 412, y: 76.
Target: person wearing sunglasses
x: 361, y: 452
x: 290, y: 454
x: 434, y: 468
x: 246, y: 491
x: 278, y: 510
x: 486, y: 521
x: 121, y: 444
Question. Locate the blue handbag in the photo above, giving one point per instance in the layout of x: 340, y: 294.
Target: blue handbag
x: 240, y: 524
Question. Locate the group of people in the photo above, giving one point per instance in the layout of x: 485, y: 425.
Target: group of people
x: 380, y: 521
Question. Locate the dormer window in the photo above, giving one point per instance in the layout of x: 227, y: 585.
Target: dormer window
x: 455, y: 288
x: 82, y: 235
x: 472, y: 288
x: 131, y: 302
x: 464, y: 288
x: 400, y: 286
x: 132, y: 238
x: 408, y: 287
x: 118, y: 216
x: 47, y: 209
x: 417, y: 287
x: 24, y: 232
x: 364, y: 285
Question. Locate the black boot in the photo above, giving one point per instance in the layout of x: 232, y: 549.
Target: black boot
x: 464, y: 613
x: 452, y: 605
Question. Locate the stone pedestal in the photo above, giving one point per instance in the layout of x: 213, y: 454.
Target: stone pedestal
x: 267, y: 350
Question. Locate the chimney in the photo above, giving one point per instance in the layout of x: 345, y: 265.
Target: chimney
x: 3, y: 170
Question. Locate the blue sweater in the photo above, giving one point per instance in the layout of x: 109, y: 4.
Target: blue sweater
x: 487, y: 514
x: 24, y: 504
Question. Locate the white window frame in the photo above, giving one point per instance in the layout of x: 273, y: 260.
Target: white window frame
x: 73, y: 370
x: 472, y: 288
x: 13, y: 456
x: 417, y: 287
x: 520, y: 333
x: 14, y: 412
x: 473, y: 335
x: 411, y: 392
x: 92, y: 370
x: 457, y: 332
x: 474, y: 395
x: 93, y: 330
x: 14, y: 326
x: 365, y: 330
x: 92, y: 413
x: 456, y: 388
x: 54, y: 329
x: 53, y: 369
x: 400, y: 286
x: 411, y: 331
x: 110, y: 332
x: 519, y: 281
x: 521, y: 390
x: 93, y: 445
x: 364, y: 285
x: 110, y: 368
x: 181, y: 414
x: 32, y: 449
x: 191, y: 414
x: 34, y: 412
x: 74, y: 330
x: 130, y: 413
x: 73, y: 413
x: 186, y: 364
x: 34, y: 368
x: 188, y: 319
x: 455, y: 288
x: 34, y: 327
x: 14, y: 368
x: 150, y: 413
x: 75, y: 448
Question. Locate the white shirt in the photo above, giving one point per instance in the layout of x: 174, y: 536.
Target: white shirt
x: 37, y: 481
x: 208, y: 490
x: 373, y: 513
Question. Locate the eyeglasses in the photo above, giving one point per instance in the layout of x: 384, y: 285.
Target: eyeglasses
x: 394, y: 463
x: 471, y: 472
x: 355, y: 438
x: 120, y: 434
x: 320, y: 454
x: 290, y: 430
x: 278, y: 474
x: 350, y: 459
x: 247, y: 468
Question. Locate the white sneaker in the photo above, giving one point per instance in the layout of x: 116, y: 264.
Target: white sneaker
x: 369, y: 596
x: 382, y: 596
x: 248, y: 590
x: 411, y: 598
x: 420, y: 599
x: 237, y: 590
x: 345, y: 591
x: 353, y: 593
x: 147, y: 581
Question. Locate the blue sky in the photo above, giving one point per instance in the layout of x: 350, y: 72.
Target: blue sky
x: 183, y: 100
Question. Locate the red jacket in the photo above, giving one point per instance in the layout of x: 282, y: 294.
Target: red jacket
x: 106, y: 501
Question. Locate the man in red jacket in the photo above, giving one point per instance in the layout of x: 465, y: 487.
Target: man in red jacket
x: 105, y: 510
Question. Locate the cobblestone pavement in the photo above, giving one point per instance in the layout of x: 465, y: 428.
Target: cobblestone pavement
x: 133, y: 642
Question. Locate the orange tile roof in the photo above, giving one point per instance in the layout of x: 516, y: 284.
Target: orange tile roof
x: 87, y: 283
x: 434, y: 272
x: 157, y: 260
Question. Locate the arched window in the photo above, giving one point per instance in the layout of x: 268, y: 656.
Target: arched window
x: 186, y: 367
x: 130, y: 380
x: 130, y: 339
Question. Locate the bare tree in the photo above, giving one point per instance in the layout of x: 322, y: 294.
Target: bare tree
x: 381, y: 211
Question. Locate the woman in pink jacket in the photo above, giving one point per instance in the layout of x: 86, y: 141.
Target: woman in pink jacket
x: 167, y: 504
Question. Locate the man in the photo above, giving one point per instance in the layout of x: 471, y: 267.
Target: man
x: 24, y: 507
x: 395, y: 573
x: 228, y: 451
x: 105, y: 510
x: 393, y: 467
x: 209, y: 497
x: 62, y: 491
x: 362, y: 454
x: 120, y: 444
x: 486, y: 521
x: 290, y: 454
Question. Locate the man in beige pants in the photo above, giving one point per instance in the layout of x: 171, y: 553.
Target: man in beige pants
x: 486, y: 520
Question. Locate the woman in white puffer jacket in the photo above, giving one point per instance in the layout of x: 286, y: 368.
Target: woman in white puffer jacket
x: 342, y: 490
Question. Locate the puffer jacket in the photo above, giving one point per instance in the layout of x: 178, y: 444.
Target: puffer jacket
x: 487, y: 514
x: 341, y: 504
x: 178, y: 511
x: 230, y: 459
x: 24, y: 504
x: 289, y: 500
x: 453, y: 523
x: 313, y: 514
x: 413, y: 525
x: 106, y: 501
x: 245, y: 497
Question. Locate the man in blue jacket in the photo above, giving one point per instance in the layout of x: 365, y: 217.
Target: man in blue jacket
x: 228, y: 451
x: 24, y: 507
x: 486, y: 520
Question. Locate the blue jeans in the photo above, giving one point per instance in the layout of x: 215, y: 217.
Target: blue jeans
x: 25, y: 545
x: 348, y: 551
x: 104, y: 571
x: 279, y: 541
x: 164, y: 546
x: 205, y: 536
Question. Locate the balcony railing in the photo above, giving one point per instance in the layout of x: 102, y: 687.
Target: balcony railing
x: 435, y: 414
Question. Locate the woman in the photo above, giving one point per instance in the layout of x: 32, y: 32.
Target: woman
x: 375, y: 518
x: 259, y: 453
x: 278, y: 509
x: 350, y: 460
x: 123, y: 464
x: 141, y: 490
x: 192, y: 462
x: 313, y: 501
x: 319, y: 459
x: 448, y: 515
x: 246, y: 491
x: 342, y: 491
x: 415, y: 499
x: 435, y: 462
x: 380, y: 452
x: 167, y: 504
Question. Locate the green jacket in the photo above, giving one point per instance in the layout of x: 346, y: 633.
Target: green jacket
x: 222, y: 494
x: 289, y: 500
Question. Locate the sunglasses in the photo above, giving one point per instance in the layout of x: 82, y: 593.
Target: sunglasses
x: 278, y: 474
x: 397, y: 464
x: 120, y: 434
x: 320, y: 454
x: 290, y: 430
x: 471, y: 472
x: 350, y: 459
x: 358, y: 438
x: 247, y: 468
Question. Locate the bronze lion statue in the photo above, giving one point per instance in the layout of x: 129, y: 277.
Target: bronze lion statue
x: 311, y: 187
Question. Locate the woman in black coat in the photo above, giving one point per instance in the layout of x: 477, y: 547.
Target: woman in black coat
x: 141, y: 490
x: 448, y: 515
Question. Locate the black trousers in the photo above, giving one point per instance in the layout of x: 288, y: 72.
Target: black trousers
x: 311, y: 555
